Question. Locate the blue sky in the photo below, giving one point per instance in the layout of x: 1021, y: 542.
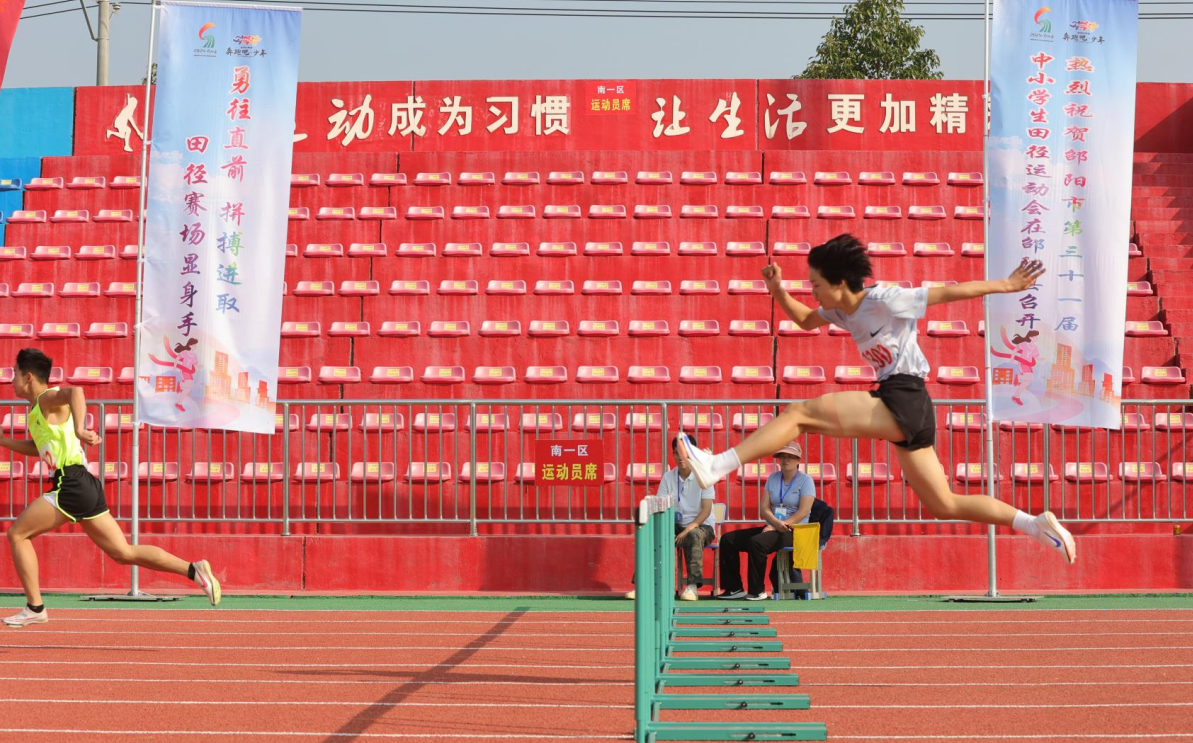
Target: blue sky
x: 357, y: 46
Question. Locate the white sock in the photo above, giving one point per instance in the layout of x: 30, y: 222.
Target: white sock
x: 1025, y: 523
x: 724, y: 464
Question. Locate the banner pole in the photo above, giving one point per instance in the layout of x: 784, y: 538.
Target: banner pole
x: 991, y: 475
x: 135, y: 589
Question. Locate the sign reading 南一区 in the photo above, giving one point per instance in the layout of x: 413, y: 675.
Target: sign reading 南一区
x: 572, y: 462
x: 532, y: 115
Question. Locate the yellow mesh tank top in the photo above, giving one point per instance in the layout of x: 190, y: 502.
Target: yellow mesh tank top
x: 57, y: 445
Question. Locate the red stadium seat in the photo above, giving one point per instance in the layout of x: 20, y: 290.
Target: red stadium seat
x: 787, y: 178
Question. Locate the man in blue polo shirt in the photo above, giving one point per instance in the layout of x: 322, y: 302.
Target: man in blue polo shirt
x: 787, y: 500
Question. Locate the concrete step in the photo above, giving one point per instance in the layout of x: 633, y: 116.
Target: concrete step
x: 1175, y: 302
x: 1156, y: 191
x: 1163, y: 157
x: 1161, y: 213
x: 1162, y: 202
x: 1164, y: 263
x: 1179, y: 181
x: 1162, y: 168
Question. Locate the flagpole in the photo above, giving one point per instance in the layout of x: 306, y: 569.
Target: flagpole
x: 991, y: 474
x: 135, y: 588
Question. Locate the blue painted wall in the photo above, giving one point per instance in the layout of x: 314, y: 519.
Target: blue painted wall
x: 36, y: 122
x: 16, y: 167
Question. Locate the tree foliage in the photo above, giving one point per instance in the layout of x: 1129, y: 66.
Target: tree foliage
x: 872, y: 40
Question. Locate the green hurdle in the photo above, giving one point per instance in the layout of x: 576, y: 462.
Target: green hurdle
x: 665, y: 634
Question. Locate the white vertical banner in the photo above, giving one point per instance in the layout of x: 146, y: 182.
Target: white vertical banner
x: 215, y: 240
x: 1060, y: 152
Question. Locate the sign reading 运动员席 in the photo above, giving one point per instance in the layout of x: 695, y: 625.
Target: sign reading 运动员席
x: 1060, y: 153
x: 219, y: 185
x: 574, y: 462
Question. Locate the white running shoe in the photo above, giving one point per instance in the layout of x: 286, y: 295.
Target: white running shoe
x: 757, y: 596
x: 206, y: 580
x: 24, y: 618
x: 1051, y: 534
x: 631, y: 594
x: 689, y: 594
x: 699, y: 461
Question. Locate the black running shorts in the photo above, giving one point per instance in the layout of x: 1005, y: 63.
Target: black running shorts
x: 77, y: 493
x: 906, y: 396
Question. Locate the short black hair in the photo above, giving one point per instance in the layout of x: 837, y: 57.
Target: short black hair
x: 842, y: 259
x: 33, y: 361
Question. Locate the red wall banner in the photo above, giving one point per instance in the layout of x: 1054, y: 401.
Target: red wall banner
x: 10, y: 13
x: 652, y: 115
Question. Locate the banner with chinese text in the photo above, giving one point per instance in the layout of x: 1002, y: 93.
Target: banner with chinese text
x: 10, y: 14
x: 1060, y: 149
x: 215, y: 242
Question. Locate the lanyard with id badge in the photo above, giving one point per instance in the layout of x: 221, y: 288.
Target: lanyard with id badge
x: 781, y: 511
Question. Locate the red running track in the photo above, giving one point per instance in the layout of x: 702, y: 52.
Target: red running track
x: 145, y: 675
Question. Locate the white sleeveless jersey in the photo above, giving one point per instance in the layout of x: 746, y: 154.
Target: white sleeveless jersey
x: 884, y: 329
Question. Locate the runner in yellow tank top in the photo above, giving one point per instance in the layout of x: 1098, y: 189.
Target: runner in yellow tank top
x: 57, y: 425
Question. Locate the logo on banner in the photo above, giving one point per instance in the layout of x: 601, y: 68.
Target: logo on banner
x: 1045, y: 25
x: 208, y: 39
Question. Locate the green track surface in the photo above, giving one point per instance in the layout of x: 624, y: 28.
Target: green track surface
x: 611, y: 604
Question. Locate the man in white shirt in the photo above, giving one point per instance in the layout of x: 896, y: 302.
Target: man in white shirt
x: 694, y: 519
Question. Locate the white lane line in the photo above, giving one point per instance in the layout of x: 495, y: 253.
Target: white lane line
x: 326, y: 703
x: 1019, y: 736
x: 968, y: 667
x: 533, y: 705
x: 344, y: 648
x: 1013, y: 684
x: 585, y: 682
x: 326, y: 681
x: 269, y: 664
x: 776, y: 618
x: 451, y: 648
x: 561, y: 635
x: 305, y: 734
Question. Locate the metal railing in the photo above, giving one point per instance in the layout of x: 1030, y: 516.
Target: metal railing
x: 463, y: 462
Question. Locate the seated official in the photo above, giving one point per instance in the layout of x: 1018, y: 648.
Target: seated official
x: 787, y: 500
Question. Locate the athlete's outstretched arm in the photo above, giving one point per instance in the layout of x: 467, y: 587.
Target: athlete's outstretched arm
x: 801, y: 314
x: 1023, y: 277
x: 26, y: 446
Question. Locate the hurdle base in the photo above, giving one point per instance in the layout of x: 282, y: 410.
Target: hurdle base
x: 735, y: 731
x: 728, y: 664
x: 723, y: 702
x: 983, y: 599
x: 722, y: 620
x: 690, y: 680
x: 747, y: 632
x: 745, y: 609
x: 738, y: 646
x: 137, y: 596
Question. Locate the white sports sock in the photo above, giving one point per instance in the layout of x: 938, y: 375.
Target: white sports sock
x: 1025, y: 523
x: 724, y: 464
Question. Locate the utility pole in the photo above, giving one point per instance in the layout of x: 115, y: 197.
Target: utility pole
x: 101, y: 61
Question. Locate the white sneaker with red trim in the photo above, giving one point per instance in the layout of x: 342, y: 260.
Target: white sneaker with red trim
x: 206, y: 580
x: 24, y: 618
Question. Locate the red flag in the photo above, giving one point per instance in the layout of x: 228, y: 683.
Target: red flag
x: 10, y: 13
